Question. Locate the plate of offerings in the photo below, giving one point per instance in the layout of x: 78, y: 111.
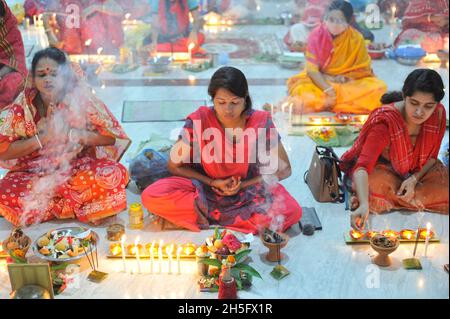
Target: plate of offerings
x: 65, y: 244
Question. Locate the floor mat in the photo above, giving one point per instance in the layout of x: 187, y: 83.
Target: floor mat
x: 159, y: 111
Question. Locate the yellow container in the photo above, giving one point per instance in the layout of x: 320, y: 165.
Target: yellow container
x: 136, y: 215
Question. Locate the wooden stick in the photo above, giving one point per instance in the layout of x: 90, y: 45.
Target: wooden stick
x: 87, y: 256
x: 92, y: 254
x: 417, y: 242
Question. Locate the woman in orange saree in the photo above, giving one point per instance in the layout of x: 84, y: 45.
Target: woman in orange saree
x: 12, y: 57
x: 338, y: 75
x: 426, y: 23
x: 61, y: 146
x: 222, y: 178
x: 393, y: 163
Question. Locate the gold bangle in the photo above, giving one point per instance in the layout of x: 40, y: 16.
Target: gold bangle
x: 39, y: 141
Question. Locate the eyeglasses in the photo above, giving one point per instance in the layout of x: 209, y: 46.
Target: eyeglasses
x: 336, y: 21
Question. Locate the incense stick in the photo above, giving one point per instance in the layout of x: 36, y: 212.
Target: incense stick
x: 96, y: 252
x: 417, y: 241
x: 87, y: 256
x: 92, y: 254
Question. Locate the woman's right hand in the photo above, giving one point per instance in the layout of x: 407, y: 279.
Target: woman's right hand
x: 330, y: 99
x: 359, y: 217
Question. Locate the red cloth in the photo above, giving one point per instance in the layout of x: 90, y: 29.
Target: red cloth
x: 192, y: 205
x: 404, y: 157
x: 181, y: 45
x: 320, y: 46
x: 34, y: 7
x: 417, y: 12
x: 12, y: 54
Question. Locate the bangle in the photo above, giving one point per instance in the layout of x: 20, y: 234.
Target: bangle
x: 39, y: 141
x: 429, y: 17
x: 328, y: 90
x: 71, y: 136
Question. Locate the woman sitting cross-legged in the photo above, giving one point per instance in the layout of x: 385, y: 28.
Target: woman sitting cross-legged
x: 226, y: 166
x: 61, y: 146
x: 393, y: 163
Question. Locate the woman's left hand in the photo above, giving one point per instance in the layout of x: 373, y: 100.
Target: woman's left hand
x: 233, y: 188
x: 407, y: 189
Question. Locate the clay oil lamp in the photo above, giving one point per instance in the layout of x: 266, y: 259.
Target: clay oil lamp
x: 356, y: 234
x: 408, y: 234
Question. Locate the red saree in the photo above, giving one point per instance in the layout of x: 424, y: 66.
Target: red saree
x: 418, y: 29
x: 61, y: 181
x: 391, y: 162
x: 192, y: 205
x: 12, y: 55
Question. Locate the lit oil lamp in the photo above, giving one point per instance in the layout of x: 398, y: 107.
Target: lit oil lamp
x: 152, y: 246
x: 361, y: 118
x: 390, y: 233
x: 356, y: 234
x: 132, y: 249
x: 115, y: 249
x: 189, y: 249
x: 423, y: 233
x: 317, y: 120
x: 371, y: 233
x: 407, y: 234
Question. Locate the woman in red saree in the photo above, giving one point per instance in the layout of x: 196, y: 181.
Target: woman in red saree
x: 61, y: 146
x: 218, y: 180
x: 171, y: 27
x: 426, y: 23
x: 100, y: 25
x: 13, y: 69
x: 393, y: 163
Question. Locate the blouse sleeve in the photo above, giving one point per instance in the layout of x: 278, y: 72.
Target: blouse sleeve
x: 442, y: 129
x: 377, y: 140
x: 11, y: 123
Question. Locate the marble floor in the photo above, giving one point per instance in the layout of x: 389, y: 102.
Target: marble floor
x: 321, y: 266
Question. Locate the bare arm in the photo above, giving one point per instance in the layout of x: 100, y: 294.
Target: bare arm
x: 20, y: 148
x: 90, y: 138
x: 284, y: 168
x: 360, y: 215
x: 179, y: 157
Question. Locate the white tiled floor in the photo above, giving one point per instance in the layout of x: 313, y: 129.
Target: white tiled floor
x: 321, y: 266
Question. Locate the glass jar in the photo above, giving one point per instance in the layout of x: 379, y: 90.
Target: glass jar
x: 136, y: 215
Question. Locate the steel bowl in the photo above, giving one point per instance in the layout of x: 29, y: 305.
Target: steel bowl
x: 74, y: 231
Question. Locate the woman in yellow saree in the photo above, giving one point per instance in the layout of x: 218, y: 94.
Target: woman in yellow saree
x: 338, y: 75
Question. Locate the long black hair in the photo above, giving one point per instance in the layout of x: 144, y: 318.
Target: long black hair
x: 234, y: 81
x: 345, y: 7
x: 420, y: 80
x: 2, y: 9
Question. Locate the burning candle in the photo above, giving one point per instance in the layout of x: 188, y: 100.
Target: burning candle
x: 122, y: 246
x: 160, y: 255
x: 427, y: 239
x: 407, y: 234
x: 152, y: 257
x: 169, y: 251
x: 88, y: 44
x: 394, y: 11
x: 178, y: 259
x: 190, y: 48
x: 290, y: 113
x: 371, y: 233
x: 356, y: 234
x: 138, y: 258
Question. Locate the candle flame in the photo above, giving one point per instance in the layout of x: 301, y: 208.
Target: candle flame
x: 179, y: 251
x: 88, y: 42
x: 99, y: 51
x: 191, y: 46
x: 127, y: 16
x: 122, y: 239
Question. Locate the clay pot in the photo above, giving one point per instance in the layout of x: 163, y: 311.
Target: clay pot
x: 274, y: 255
x: 383, y: 259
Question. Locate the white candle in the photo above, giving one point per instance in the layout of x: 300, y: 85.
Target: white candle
x: 138, y: 257
x: 271, y: 108
x: 190, y: 48
x: 178, y: 259
x: 169, y: 253
x: 160, y: 255
x: 152, y: 257
x: 290, y: 113
x: 122, y: 245
x: 427, y: 239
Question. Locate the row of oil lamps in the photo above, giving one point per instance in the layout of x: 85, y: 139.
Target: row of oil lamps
x: 405, y: 234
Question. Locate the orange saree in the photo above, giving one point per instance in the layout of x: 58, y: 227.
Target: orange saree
x: 344, y: 55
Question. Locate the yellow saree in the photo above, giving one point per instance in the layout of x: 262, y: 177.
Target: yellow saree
x: 348, y: 57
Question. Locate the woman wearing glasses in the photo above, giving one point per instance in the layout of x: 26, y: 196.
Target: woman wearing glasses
x: 338, y: 75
